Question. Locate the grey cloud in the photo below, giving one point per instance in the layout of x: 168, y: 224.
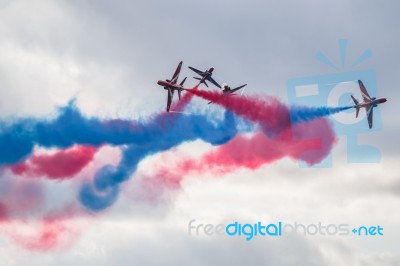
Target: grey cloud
x: 110, y: 53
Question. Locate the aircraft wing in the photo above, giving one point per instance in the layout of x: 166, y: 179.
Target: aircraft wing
x: 169, y: 99
x: 201, y: 73
x: 176, y: 74
x: 214, y: 82
x: 370, y: 114
x: 364, y: 92
x: 238, y: 88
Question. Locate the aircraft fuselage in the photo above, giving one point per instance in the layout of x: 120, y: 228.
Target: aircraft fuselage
x: 226, y: 89
x: 374, y: 103
x: 170, y: 85
x: 207, y: 74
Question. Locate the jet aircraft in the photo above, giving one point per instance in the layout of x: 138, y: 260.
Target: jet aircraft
x: 205, y: 76
x: 172, y: 85
x: 227, y: 90
x: 368, y: 103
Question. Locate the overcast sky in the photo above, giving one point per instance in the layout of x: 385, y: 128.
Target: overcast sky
x: 108, y: 55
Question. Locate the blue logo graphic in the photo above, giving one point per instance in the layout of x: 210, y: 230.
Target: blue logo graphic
x: 368, y: 231
x: 335, y: 90
x: 251, y: 230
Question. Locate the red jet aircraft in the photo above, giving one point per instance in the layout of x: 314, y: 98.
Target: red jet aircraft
x: 172, y: 85
x: 205, y: 76
x: 227, y: 90
x: 368, y: 103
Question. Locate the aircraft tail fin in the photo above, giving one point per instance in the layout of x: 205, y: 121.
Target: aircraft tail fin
x: 354, y: 100
x: 357, y: 111
x: 201, y: 80
x: 183, y: 81
x: 356, y: 105
x: 181, y: 84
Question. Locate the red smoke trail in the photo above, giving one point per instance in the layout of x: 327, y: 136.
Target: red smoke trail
x: 50, y: 232
x: 184, y: 101
x: 62, y: 164
x: 269, y: 112
x: 22, y: 209
x: 48, y: 237
x: 179, y: 105
x: 243, y: 152
x: 23, y: 216
x: 25, y: 219
x: 307, y: 141
x: 253, y: 152
x: 3, y: 212
x: 20, y: 199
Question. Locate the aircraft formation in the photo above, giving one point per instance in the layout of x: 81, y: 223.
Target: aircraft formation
x: 172, y: 85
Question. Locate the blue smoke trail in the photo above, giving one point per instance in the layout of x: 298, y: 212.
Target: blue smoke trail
x: 16, y: 142
x: 300, y: 114
x: 159, y: 136
x: 142, y: 138
x: 70, y: 127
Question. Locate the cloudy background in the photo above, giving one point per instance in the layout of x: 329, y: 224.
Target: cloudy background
x: 109, y: 54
